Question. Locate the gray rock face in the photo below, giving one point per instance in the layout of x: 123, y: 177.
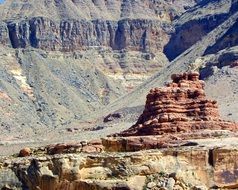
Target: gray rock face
x: 146, y: 29
x: 77, y: 25
x: 196, y: 23
x: 230, y: 39
x: 190, y: 33
x: 70, y: 35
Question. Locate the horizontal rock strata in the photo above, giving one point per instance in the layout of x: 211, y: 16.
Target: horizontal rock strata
x: 71, y: 35
x: 179, y: 107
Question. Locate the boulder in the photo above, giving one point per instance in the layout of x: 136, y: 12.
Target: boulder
x: 25, y: 152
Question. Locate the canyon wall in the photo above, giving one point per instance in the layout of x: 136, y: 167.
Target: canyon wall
x: 72, y: 35
x: 147, y: 27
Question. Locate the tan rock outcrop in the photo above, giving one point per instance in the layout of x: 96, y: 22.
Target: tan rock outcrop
x: 180, y: 167
x: 83, y: 146
x: 225, y: 162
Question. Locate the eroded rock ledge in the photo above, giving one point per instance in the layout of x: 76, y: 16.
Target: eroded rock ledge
x: 186, y: 167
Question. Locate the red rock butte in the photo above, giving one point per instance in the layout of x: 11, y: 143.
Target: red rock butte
x: 180, y: 107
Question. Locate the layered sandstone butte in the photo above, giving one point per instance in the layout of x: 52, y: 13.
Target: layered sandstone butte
x: 180, y: 107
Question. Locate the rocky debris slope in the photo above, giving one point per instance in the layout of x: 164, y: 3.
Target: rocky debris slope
x: 43, y: 93
x: 180, y: 107
x: 220, y: 71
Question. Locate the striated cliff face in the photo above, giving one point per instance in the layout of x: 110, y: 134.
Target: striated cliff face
x: 4, y: 34
x: 72, y: 35
x: 154, y: 26
x: 78, y: 25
